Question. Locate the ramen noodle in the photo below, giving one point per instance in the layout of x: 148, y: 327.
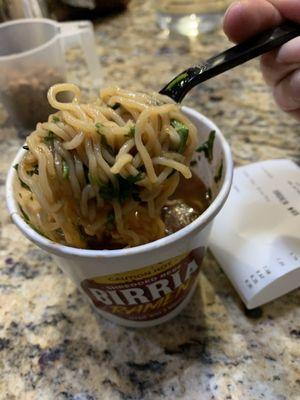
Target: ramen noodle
x: 102, y: 172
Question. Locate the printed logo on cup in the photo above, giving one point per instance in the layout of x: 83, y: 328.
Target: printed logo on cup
x: 147, y: 293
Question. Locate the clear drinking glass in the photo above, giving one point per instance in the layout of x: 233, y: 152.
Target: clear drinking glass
x: 32, y: 59
x: 190, y: 17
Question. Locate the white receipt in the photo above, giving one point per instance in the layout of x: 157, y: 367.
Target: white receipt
x: 256, y: 236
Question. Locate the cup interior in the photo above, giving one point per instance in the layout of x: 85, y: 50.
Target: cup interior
x: 20, y: 36
x: 216, y: 173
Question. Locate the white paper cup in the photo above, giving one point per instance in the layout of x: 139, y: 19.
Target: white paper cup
x: 150, y: 284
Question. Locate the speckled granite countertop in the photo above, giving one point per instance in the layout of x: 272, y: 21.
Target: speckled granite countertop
x: 53, y: 346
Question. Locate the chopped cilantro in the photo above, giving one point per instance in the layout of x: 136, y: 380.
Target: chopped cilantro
x: 183, y: 139
x: 25, y: 147
x: 218, y: 177
x: 136, y: 178
x: 49, y: 139
x: 183, y: 133
x: 131, y: 132
x: 208, y: 146
x: 107, y: 191
x: 94, y: 180
x: 65, y: 169
x: 23, y: 184
x: 99, y: 127
x: 127, y: 189
x: 26, y: 218
x: 55, y: 119
x: 177, y: 124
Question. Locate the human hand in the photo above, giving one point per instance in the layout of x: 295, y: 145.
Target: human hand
x: 281, y: 67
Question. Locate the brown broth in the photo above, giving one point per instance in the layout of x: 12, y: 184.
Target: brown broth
x: 189, y: 201
x: 193, y: 192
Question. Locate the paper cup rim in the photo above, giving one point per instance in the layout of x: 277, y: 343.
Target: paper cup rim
x: 62, y: 250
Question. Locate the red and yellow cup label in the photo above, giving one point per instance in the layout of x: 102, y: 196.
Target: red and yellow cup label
x: 147, y: 293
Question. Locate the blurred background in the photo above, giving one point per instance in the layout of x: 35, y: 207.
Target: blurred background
x: 138, y: 27
x: 187, y: 17
x: 141, y: 45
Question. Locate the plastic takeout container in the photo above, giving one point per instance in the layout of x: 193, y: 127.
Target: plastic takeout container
x: 150, y: 284
x: 32, y: 58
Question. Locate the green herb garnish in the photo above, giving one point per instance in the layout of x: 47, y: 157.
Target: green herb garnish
x: 99, y: 126
x: 218, y: 177
x: 94, y: 180
x: 115, y: 106
x: 127, y: 189
x: 136, y: 178
x: 131, y: 132
x: 23, y: 184
x: 25, y: 147
x: 110, y: 221
x: 49, y: 139
x: 208, y: 146
x: 55, y: 119
x: 183, y: 133
x: 65, y: 169
x: 107, y: 191
x: 26, y: 218
x: 178, y: 79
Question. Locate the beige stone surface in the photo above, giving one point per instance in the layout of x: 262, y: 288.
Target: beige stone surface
x: 53, y: 346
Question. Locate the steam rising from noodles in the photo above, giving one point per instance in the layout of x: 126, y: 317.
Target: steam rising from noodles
x: 101, y: 172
